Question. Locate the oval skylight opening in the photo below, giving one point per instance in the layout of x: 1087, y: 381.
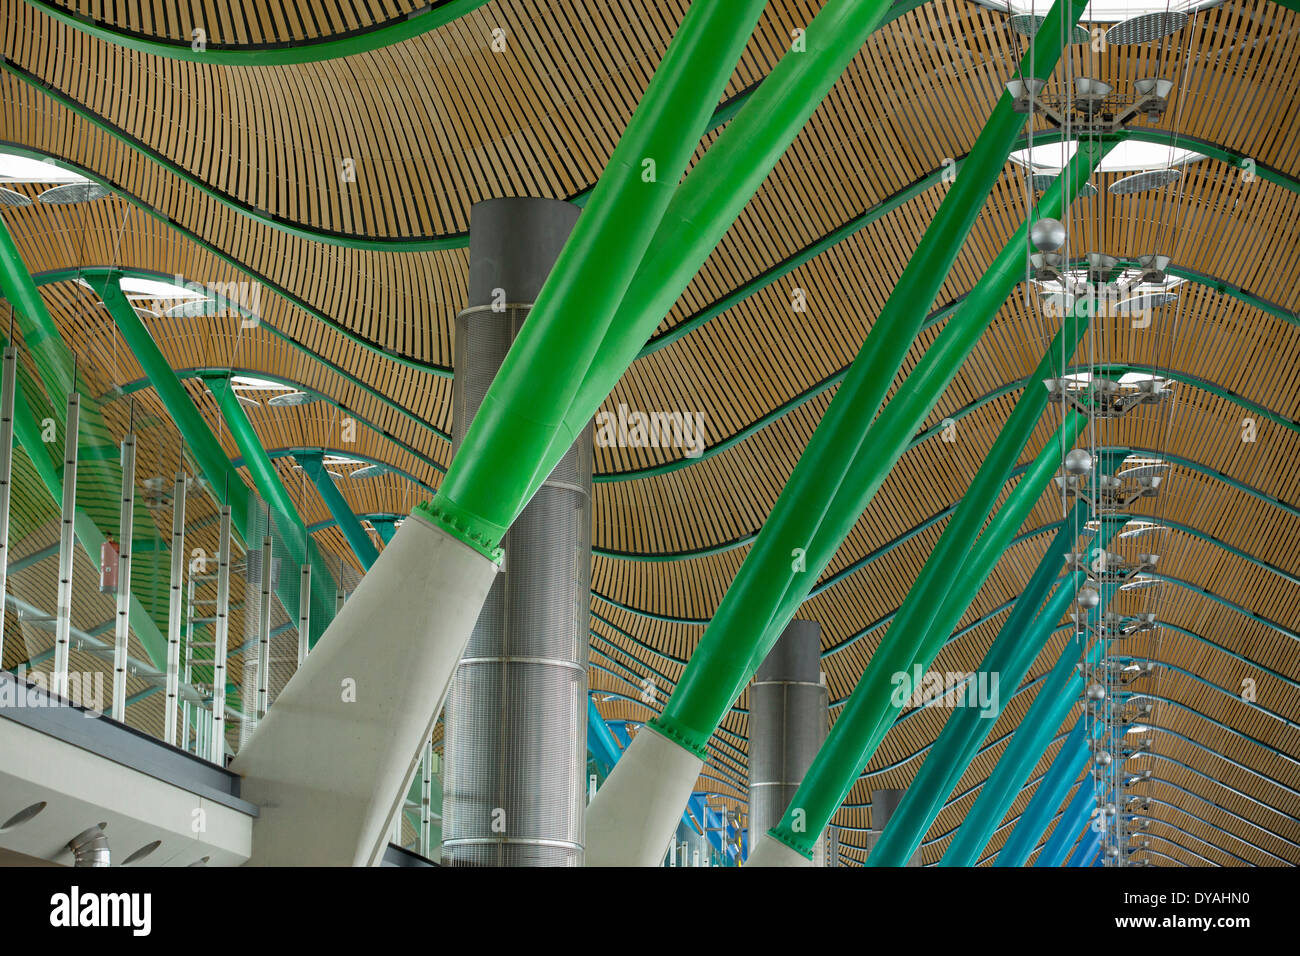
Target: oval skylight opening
x: 1107, y: 11
x: 1129, y: 156
x: 251, y: 383
x: 22, y: 169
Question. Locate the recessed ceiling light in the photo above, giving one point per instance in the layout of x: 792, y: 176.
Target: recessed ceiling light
x: 1027, y: 25
x: 1146, y: 28
x: 251, y: 383
x: 292, y: 399
x: 135, y: 287
x: 1108, y: 11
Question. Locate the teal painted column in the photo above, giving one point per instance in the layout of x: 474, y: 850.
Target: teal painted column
x: 387, y: 527
x: 1061, y: 775
x: 1019, y: 642
x: 1074, y: 818
x: 1058, y: 693
x: 313, y: 463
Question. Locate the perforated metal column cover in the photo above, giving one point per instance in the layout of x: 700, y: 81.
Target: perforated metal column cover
x: 787, y: 725
x: 514, y: 779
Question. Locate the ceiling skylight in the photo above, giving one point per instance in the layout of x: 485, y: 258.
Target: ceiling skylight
x: 1129, y: 156
x: 21, y: 169
x: 151, y: 289
x: 1106, y: 11
x: 249, y: 383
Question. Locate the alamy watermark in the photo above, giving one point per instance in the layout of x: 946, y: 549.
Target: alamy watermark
x: 622, y: 428
x: 243, y: 299
x: 921, y: 688
x: 36, y: 689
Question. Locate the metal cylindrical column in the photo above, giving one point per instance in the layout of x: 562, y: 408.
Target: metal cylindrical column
x: 883, y: 805
x: 787, y: 724
x: 514, y: 779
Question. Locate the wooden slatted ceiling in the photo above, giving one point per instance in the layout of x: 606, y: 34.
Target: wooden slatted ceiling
x: 229, y: 22
x: 382, y: 311
x: 1211, y: 336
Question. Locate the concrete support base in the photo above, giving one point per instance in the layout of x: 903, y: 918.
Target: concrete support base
x: 332, y: 760
x: 769, y: 852
x: 635, y: 814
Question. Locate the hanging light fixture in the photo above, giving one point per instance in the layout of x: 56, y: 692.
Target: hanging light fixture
x: 13, y: 199
x: 72, y: 193
x: 1142, y: 182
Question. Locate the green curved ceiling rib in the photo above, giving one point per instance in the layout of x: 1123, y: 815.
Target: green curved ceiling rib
x: 69, y: 275
x: 130, y: 388
x: 273, y: 54
x: 744, y: 291
x: 1218, y: 285
x: 831, y: 381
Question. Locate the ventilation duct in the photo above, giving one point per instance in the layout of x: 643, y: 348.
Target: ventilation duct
x: 90, y: 847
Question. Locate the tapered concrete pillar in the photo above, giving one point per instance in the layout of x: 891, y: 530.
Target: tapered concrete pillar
x: 787, y: 725
x: 883, y: 804
x: 514, y: 779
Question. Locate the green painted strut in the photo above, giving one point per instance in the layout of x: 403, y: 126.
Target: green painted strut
x: 717, y: 190
x: 272, y: 490
x: 313, y: 463
x: 1055, y: 697
x: 812, y: 516
x: 224, y: 480
x: 1018, y: 643
x: 886, y: 683
x: 307, y: 50
x: 523, y: 412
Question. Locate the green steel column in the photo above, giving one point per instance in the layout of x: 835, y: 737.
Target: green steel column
x: 814, y: 512
x: 199, y: 440
x: 1012, y: 653
x: 1054, y: 699
x: 524, y: 410
x: 100, y: 474
x: 721, y: 184
x: 222, y: 476
x: 870, y: 711
x: 274, y: 493
x: 313, y: 463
